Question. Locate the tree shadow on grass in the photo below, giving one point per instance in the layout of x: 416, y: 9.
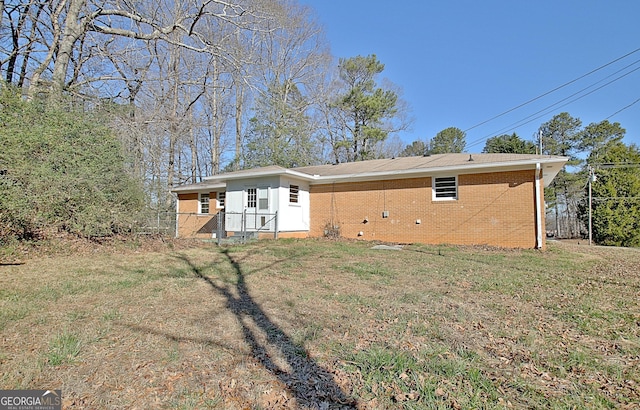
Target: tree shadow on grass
x: 309, y: 383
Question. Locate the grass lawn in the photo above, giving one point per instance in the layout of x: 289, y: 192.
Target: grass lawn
x: 326, y: 324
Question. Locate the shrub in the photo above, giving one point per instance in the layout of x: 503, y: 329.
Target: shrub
x: 61, y: 170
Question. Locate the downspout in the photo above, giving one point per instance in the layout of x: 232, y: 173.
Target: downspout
x: 177, y: 214
x: 539, y: 206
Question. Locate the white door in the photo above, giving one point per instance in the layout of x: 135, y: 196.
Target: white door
x: 257, y: 209
x: 251, y: 208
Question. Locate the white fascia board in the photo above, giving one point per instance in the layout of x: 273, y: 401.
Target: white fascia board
x: 555, y: 163
x: 263, y: 174
x: 199, y: 187
x: 300, y: 175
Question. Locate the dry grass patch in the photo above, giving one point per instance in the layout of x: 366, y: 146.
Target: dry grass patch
x: 326, y: 324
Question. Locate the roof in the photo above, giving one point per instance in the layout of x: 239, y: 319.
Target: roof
x: 393, y: 168
x: 429, y: 163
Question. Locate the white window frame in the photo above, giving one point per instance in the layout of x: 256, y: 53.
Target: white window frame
x: 201, y: 196
x: 221, y: 197
x: 442, y: 190
x: 263, y: 199
x: 252, y: 198
x: 294, y: 194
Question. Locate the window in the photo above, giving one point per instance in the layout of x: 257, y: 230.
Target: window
x: 221, y: 198
x: 445, y: 188
x: 263, y: 199
x: 251, y: 198
x: 293, y: 194
x: 204, y: 203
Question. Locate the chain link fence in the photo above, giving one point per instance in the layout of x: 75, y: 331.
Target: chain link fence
x: 235, y: 226
x: 156, y: 223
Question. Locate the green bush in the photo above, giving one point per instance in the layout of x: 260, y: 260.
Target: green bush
x: 62, y: 170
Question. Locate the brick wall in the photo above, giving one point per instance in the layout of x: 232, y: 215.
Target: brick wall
x: 194, y: 225
x: 494, y: 208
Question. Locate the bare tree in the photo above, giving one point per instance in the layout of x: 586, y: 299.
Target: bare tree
x: 174, y: 22
x: 180, y: 77
x: 293, y: 57
x: 21, y: 38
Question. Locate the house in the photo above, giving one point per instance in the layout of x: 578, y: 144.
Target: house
x: 466, y: 199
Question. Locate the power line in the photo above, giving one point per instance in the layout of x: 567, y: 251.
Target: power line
x: 522, y: 122
x: 553, y: 90
x: 547, y: 110
x: 622, y: 109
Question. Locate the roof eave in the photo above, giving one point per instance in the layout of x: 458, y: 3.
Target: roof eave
x: 551, y: 166
x: 556, y: 162
x: 261, y: 174
x: 219, y: 181
x: 198, y: 187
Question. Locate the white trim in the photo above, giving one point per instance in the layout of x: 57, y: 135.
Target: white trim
x: 433, y: 188
x: 452, y: 169
x: 267, y: 192
x: 200, y: 203
x: 297, y: 195
x: 246, y: 197
x: 223, y: 206
x: 199, y: 187
x: 538, y: 205
x: 260, y: 173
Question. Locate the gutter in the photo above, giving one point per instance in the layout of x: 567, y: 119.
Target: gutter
x: 539, y: 205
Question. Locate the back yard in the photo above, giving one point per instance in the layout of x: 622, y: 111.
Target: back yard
x: 325, y: 324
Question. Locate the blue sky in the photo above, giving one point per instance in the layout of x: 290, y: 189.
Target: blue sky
x: 462, y: 62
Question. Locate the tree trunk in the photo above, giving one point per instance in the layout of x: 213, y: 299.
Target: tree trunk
x: 214, y: 136
x: 70, y: 34
x: 239, y: 106
x: 135, y: 142
x: 173, y: 126
x: 32, y: 40
x: 16, y: 33
x: 194, y: 151
x: 214, y: 122
x: 34, y: 85
x: 557, y: 219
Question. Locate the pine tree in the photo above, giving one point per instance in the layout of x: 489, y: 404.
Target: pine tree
x: 616, y: 195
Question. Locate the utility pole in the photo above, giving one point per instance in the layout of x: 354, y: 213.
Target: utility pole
x: 540, y: 141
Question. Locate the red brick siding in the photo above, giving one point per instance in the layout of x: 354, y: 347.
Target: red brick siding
x: 493, y: 208
x: 188, y: 203
x: 192, y: 225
